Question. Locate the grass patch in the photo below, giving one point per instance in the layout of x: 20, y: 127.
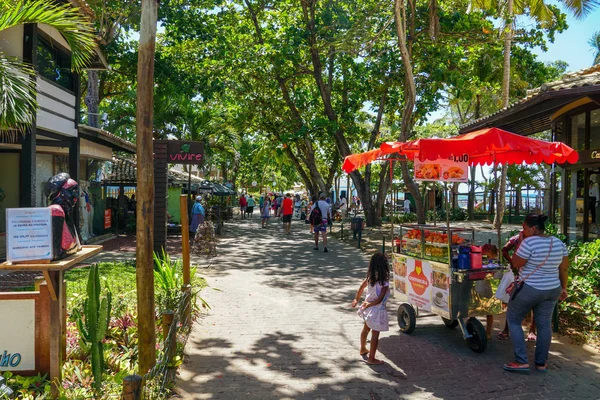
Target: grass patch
x: 118, y: 276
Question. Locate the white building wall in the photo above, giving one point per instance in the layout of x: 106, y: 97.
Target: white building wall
x: 11, y: 41
x: 57, y: 109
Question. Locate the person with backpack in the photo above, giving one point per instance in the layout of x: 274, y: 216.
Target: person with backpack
x: 320, y: 212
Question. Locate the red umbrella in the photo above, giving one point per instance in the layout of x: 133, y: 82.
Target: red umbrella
x: 358, y: 160
x: 486, y: 146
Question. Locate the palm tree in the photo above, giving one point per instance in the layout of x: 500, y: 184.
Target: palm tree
x: 17, y: 78
x: 595, y: 43
x: 540, y: 11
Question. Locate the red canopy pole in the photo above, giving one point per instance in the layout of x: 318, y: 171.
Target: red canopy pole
x: 393, y: 202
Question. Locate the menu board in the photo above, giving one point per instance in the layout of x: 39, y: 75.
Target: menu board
x: 28, y: 234
x: 454, y: 169
x: 424, y: 284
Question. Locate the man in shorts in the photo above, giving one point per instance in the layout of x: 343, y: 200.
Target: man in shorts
x: 287, y: 210
x: 325, y: 214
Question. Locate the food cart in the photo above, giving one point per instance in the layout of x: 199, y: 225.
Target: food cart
x: 427, y: 269
x: 427, y: 277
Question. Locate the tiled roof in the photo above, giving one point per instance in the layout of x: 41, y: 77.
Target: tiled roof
x: 585, y: 77
x: 124, y: 170
x: 109, y: 137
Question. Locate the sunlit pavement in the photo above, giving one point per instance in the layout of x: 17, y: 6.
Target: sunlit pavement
x: 281, y: 327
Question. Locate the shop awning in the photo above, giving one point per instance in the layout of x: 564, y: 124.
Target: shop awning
x: 486, y: 146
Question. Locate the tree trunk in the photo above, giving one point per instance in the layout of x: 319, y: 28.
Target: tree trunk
x: 145, y: 188
x: 508, y: 35
x: 92, y: 99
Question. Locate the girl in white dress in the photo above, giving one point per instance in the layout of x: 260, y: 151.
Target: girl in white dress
x: 372, y: 310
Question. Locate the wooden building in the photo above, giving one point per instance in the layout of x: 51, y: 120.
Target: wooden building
x: 570, y: 109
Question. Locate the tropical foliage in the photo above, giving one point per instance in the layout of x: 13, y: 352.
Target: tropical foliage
x: 17, y: 79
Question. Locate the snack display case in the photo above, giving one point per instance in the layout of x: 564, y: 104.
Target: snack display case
x: 440, y: 269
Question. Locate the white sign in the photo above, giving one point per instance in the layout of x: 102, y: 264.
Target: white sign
x: 17, y: 335
x: 254, y: 183
x: 454, y: 169
x: 274, y: 184
x: 28, y: 234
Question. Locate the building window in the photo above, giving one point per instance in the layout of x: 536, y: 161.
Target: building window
x: 54, y: 64
x: 595, y: 130
x: 578, y: 132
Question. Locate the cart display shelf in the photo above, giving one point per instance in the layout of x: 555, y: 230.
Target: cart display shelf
x: 426, y: 278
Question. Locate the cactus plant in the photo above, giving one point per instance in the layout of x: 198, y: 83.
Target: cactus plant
x: 92, y: 327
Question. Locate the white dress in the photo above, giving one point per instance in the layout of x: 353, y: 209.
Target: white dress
x: 376, y: 317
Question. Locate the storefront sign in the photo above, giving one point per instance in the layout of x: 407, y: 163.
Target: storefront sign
x: 181, y: 152
x: 28, y: 234
x: 454, y: 169
x: 589, y: 156
x: 17, y: 337
x: 107, y: 218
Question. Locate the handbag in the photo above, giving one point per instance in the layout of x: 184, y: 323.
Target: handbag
x: 506, y: 280
x: 515, y: 287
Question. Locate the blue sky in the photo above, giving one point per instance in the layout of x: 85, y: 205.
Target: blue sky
x: 572, y: 45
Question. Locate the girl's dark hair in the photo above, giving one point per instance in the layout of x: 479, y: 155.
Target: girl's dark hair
x: 313, y: 199
x: 379, y: 270
x: 537, y: 220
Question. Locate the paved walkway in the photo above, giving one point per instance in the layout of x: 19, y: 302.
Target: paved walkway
x: 281, y: 327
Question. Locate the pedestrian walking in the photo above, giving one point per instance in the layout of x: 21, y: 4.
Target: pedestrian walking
x: 250, y: 206
x: 406, y: 205
x: 297, y: 205
x: 372, y: 310
x: 243, y: 205
x: 287, y: 210
x: 265, y: 214
x: 543, y: 263
x: 198, y: 215
x: 261, y: 202
x: 322, y: 215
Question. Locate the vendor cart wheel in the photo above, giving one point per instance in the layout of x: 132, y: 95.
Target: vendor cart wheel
x: 478, y: 341
x: 407, y: 318
x: 450, y: 323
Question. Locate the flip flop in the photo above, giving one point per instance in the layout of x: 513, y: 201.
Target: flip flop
x: 541, y: 368
x: 514, y: 367
x: 502, y: 336
x: 531, y: 337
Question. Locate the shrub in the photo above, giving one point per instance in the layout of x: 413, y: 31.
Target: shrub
x: 583, y: 303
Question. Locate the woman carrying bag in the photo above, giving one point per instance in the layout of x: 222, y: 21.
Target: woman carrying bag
x: 542, y: 263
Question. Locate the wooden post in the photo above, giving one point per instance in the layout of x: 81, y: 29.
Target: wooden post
x: 145, y: 187
x: 132, y: 387
x: 169, y: 341
x: 185, y: 238
x: 185, y: 252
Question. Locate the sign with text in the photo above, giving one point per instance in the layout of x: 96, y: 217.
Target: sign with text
x: 28, y: 234
x: 107, y: 218
x: 182, y: 152
x: 17, y: 335
x: 454, y: 169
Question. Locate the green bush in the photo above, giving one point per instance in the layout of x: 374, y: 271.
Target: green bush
x: 583, y: 303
